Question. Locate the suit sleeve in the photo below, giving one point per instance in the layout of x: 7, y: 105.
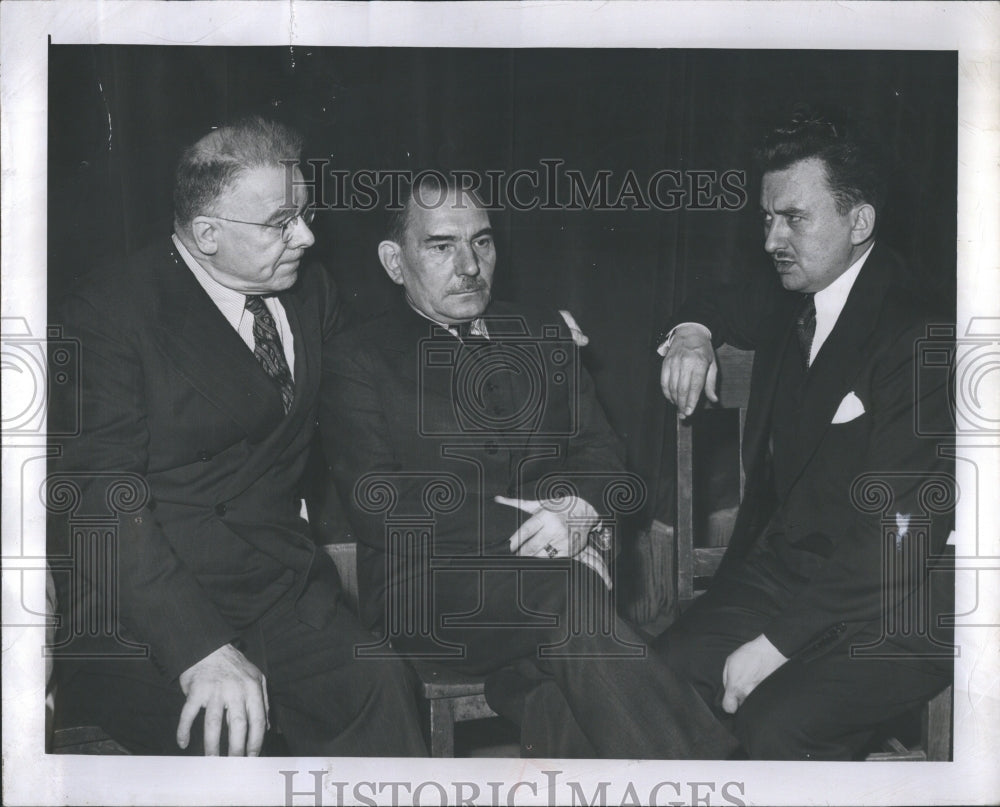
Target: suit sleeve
x: 595, y: 457
x: 160, y: 601
x: 871, y: 572
x: 356, y: 437
x: 737, y: 314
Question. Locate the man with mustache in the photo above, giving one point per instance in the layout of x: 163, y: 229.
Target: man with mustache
x: 477, y: 464
x: 818, y: 625
x: 200, y: 368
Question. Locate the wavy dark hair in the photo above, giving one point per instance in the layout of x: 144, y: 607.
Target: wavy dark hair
x: 856, y: 164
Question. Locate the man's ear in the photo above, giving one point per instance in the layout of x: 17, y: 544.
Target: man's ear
x: 864, y: 223
x: 389, y: 254
x: 205, y: 233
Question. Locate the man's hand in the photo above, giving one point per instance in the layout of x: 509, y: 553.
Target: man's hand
x: 225, y: 682
x: 745, y: 668
x: 689, y: 368
x: 557, y: 527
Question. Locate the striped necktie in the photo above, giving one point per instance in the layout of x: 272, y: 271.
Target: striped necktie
x: 805, y: 327
x: 268, y: 350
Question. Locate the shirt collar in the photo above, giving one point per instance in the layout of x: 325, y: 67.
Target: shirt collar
x: 478, y: 327
x: 230, y: 303
x: 831, y: 300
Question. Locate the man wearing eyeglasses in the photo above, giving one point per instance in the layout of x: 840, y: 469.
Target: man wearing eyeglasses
x: 200, y: 374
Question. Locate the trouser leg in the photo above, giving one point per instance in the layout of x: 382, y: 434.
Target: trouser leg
x: 827, y: 708
x: 330, y: 703
x: 625, y: 700
x: 131, y: 701
x: 322, y: 699
x: 823, y: 708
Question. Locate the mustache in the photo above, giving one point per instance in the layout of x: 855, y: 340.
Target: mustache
x: 471, y: 284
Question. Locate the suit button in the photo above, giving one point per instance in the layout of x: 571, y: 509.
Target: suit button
x: 492, y: 448
x: 220, y: 509
x: 204, y: 456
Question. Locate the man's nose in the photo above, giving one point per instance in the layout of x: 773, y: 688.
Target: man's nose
x: 302, y: 236
x: 466, y: 260
x: 774, y: 236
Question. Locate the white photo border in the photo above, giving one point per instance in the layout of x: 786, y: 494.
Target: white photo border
x: 971, y: 29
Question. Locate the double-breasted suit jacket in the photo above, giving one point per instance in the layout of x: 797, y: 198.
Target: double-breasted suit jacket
x: 174, y: 401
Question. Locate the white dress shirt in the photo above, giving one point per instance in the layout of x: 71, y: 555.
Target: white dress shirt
x: 232, y: 304
x: 830, y: 302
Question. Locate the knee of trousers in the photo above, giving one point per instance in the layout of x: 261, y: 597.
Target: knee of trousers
x: 689, y: 658
x: 770, y: 729
x: 388, y: 673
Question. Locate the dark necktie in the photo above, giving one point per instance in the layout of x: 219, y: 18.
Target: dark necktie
x: 268, y: 350
x: 805, y: 327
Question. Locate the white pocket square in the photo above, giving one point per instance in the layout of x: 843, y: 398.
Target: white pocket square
x: 849, y: 409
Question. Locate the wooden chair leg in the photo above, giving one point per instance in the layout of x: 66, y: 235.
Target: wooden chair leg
x: 936, y: 727
x: 442, y: 728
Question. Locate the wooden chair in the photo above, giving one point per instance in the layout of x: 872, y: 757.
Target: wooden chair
x: 450, y: 697
x: 696, y: 564
x: 935, y: 735
x: 84, y: 740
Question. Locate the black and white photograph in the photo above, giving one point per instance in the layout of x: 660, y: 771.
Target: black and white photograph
x: 500, y: 403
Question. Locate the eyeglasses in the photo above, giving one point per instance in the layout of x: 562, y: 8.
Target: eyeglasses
x: 287, y: 227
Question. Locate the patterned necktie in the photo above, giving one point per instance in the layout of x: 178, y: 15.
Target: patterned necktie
x: 465, y: 332
x: 805, y: 327
x: 268, y: 350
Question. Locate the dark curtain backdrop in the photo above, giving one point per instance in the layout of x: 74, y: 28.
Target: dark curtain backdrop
x: 119, y: 115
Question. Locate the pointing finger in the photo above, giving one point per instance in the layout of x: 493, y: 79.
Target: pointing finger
x: 530, y: 506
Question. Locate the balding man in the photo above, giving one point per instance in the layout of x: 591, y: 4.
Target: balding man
x: 201, y: 360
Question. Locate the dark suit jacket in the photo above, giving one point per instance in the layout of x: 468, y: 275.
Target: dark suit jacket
x: 175, y: 404
x: 822, y: 521
x: 425, y: 432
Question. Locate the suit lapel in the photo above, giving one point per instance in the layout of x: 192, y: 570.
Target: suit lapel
x: 840, y: 359
x: 421, y: 351
x: 763, y: 387
x: 207, y: 351
x: 308, y: 341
